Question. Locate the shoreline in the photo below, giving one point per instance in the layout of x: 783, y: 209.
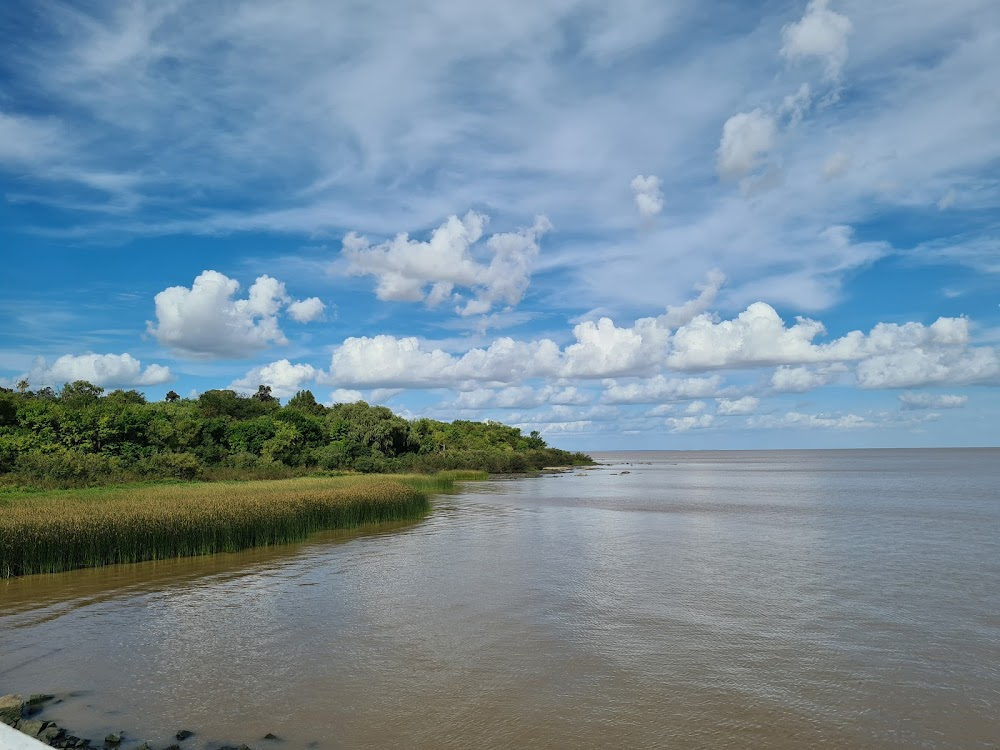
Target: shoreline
x: 28, y: 716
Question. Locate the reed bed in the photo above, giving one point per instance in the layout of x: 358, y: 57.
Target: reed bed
x: 53, y: 531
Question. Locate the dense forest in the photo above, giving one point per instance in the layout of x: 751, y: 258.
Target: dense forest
x: 79, y: 436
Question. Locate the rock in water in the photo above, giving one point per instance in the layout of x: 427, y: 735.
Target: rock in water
x: 115, y: 738
x: 10, y: 709
x: 184, y: 734
x: 32, y: 727
x: 51, y: 733
x: 37, y: 699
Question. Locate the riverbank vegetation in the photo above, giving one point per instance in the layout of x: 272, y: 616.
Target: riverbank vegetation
x: 78, y: 436
x: 51, y: 531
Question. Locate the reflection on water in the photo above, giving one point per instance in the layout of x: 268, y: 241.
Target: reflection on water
x: 842, y: 599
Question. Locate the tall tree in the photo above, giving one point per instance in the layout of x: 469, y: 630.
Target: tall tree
x: 264, y: 394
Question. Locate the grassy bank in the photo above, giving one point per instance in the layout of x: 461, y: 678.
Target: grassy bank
x: 46, y: 532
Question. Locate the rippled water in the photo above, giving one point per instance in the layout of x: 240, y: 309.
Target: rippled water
x: 841, y: 599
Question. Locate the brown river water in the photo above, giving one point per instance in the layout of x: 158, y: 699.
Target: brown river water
x: 813, y: 599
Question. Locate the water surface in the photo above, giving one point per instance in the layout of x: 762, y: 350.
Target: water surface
x: 841, y: 599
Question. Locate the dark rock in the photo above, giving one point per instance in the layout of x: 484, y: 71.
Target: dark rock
x: 37, y: 699
x: 31, y: 727
x: 144, y: 746
x: 270, y: 736
x: 184, y: 734
x: 51, y: 733
x: 10, y: 709
x: 115, y: 738
x: 172, y: 747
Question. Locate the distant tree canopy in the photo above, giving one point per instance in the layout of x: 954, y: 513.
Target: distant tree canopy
x: 80, y: 435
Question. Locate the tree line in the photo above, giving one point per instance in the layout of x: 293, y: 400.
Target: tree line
x: 79, y: 435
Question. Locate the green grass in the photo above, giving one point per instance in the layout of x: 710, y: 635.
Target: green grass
x: 51, y: 531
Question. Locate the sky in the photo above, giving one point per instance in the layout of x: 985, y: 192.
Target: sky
x: 648, y: 224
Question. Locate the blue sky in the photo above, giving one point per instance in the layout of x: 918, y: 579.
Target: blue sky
x: 646, y: 224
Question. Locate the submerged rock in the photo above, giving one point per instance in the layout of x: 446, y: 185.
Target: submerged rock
x: 37, y: 699
x: 70, y: 741
x: 115, y: 738
x: 270, y: 736
x: 184, y: 734
x: 10, y: 709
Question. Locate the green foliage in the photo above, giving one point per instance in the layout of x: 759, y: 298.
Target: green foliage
x: 264, y: 394
x: 81, y: 437
x: 306, y: 401
x: 172, y: 465
x: 125, y: 398
x: 8, y: 409
x: 80, y: 393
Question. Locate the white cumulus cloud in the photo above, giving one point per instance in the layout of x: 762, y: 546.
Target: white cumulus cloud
x: 661, y: 389
x: 756, y: 336
x: 603, y: 349
x: 100, y: 369
x: 684, y: 424
x: 514, y: 397
x: 929, y: 365
x: 387, y: 361
x: 737, y: 407
x: 306, y: 310
x: 801, y: 379
x: 640, y: 363
x: 520, y: 397
x: 811, y: 421
x: 345, y: 396
x: 284, y: 378
x: 891, y: 355
x: 412, y: 271
x: 207, y: 321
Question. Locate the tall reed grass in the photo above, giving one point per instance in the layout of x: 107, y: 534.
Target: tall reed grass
x: 46, y: 532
